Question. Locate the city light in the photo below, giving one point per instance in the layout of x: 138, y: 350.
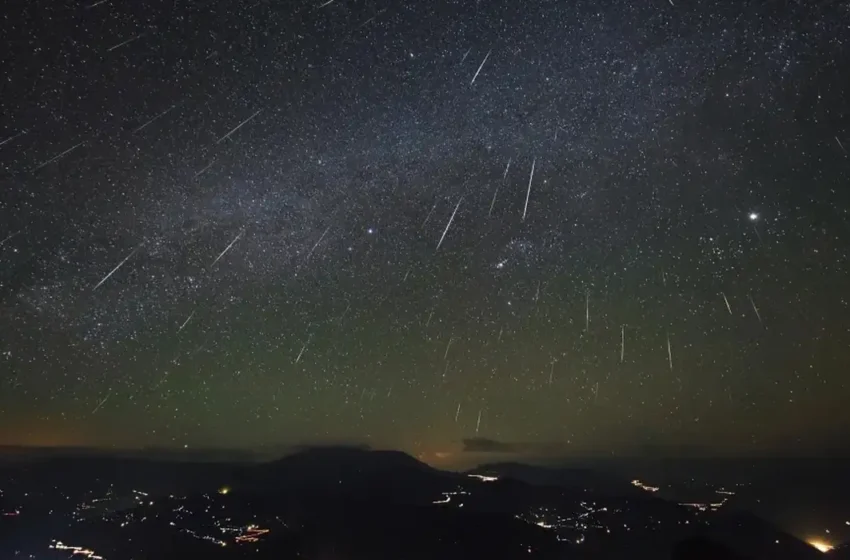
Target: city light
x: 484, y: 478
x: 637, y: 483
x: 252, y: 534
x: 76, y: 550
x: 821, y: 545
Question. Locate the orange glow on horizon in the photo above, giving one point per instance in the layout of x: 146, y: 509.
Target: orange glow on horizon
x: 48, y: 433
x: 821, y: 545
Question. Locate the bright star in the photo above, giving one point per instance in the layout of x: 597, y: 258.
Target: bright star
x: 753, y: 216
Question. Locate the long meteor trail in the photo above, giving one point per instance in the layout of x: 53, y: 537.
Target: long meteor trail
x: 226, y: 249
x: 60, y: 156
x: 114, y: 270
x: 480, y: 67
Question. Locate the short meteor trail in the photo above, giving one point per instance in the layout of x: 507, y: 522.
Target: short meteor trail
x: 622, y: 343
x: 507, y: 167
x: 669, y: 352
x: 493, y: 202
x: 428, y: 217
x: 240, y: 125
x: 528, y: 194
x: 728, y: 307
x: 303, y: 348
x: 201, y: 172
x: 114, y: 270
x: 448, y: 225
x: 127, y: 42
x: 8, y: 237
x: 756, y: 309
x: 496, y: 192
x: 154, y: 119
x: 317, y: 243
x: 101, y: 403
x: 186, y: 322
x: 10, y: 138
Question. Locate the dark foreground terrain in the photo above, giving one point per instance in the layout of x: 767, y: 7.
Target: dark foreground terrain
x: 353, y: 503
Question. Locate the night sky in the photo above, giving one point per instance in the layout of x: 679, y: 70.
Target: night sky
x: 547, y: 227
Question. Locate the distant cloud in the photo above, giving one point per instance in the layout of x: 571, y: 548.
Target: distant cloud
x: 484, y: 445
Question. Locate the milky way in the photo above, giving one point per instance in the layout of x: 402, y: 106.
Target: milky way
x: 611, y: 226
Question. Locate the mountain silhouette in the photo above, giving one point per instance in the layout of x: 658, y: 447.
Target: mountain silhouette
x: 350, y: 471
x: 354, y: 503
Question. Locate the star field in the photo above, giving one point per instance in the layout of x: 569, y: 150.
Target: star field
x: 603, y: 227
